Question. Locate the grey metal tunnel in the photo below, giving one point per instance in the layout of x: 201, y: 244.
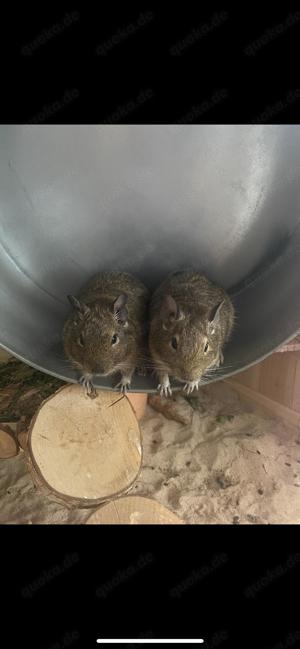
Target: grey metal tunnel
x: 148, y: 199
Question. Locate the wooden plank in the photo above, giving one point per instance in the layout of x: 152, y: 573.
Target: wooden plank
x: 250, y: 377
x: 287, y: 414
x: 296, y: 390
x: 277, y: 377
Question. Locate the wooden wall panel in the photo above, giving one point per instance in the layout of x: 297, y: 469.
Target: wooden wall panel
x: 274, y: 383
x: 296, y: 391
x: 277, y: 377
x: 250, y: 378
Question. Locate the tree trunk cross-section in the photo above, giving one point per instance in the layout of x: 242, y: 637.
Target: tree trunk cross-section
x: 133, y: 510
x: 84, y: 451
x: 8, y: 444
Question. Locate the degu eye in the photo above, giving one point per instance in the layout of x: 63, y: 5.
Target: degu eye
x: 174, y: 342
x: 81, y: 340
x: 206, y: 347
x: 115, y: 339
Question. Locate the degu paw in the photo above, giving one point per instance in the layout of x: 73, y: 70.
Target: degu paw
x: 191, y: 386
x: 124, y: 385
x: 87, y: 383
x: 165, y: 389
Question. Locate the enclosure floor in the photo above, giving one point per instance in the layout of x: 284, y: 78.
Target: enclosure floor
x: 230, y: 464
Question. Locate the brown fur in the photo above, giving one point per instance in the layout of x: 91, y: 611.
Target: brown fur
x: 196, y: 299
x: 98, y: 323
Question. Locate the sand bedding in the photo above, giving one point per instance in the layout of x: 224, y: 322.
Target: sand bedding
x: 210, y: 458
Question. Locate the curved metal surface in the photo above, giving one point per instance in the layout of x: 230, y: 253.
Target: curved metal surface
x: 148, y: 199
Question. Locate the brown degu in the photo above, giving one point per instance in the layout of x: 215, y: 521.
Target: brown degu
x: 190, y: 321
x: 105, y: 332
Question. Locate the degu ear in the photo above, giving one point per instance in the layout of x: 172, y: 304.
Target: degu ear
x: 170, y: 312
x: 214, y: 317
x: 81, y: 308
x: 119, y: 309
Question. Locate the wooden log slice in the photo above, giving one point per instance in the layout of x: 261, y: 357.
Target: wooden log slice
x: 84, y: 451
x: 133, y: 510
x: 8, y: 445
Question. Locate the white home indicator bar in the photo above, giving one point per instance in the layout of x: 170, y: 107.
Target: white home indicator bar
x: 147, y: 641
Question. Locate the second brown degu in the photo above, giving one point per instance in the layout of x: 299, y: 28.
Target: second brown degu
x: 188, y: 318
